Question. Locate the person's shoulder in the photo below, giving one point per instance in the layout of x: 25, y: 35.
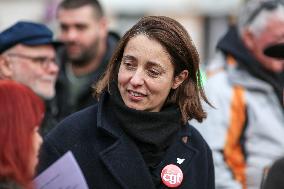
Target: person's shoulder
x: 279, y: 163
x: 74, y: 127
x: 113, y: 35
x: 216, y: 73
x: 193, y: 132
x: 216, y: 64
x: 196, y: 139
x: 275, y: 175
x: 218, y: 78
x: 82, y: 117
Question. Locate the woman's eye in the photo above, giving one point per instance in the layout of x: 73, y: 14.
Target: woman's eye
x: 128, y: 66
x: 153, y: 73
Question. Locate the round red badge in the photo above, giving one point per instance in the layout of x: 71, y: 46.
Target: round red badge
x: 172, y: 176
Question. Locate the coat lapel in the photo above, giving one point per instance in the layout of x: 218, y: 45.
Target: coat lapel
x: 126, y: 164
x: 184, y: 151
x: 180, y: 150
x: 122, y: 159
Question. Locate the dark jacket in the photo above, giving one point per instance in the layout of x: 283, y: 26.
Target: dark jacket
x: 110, y: 159
x: 275, y: 176
x: 59, y: 107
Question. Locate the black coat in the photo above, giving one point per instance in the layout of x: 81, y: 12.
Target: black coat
x: 275, y: 176
x: 109, y: 159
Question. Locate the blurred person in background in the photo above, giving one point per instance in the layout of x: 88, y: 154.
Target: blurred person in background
x: 27, y: 55
x: 274, y: 178
x: 137, y: 135
x: 21, y: 113
x: 88, y: 47
x: 246, y: 129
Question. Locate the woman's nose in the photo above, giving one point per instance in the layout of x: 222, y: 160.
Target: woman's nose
x: 137, y: 78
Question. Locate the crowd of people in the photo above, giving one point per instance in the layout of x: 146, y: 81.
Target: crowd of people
x: 133, y: 110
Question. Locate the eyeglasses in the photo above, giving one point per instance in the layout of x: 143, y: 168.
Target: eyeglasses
x: 267, y: 5
x: 43, y: 61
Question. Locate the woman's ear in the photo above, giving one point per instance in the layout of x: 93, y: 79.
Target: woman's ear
x: 5, y: 68
x: 179, y: 79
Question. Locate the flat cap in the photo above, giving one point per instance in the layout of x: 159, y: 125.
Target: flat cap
x: 27, y: 33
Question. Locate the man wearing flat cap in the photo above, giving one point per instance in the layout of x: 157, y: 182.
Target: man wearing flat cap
x: 27, y: 55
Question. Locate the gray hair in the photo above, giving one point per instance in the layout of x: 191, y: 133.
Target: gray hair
x: 259, y: 21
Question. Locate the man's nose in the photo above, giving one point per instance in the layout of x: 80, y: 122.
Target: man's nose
x: 70, y: 35
x: 53, y: 68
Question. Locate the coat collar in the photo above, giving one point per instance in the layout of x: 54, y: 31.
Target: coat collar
x: 107, y: 123
x: 126, y: 163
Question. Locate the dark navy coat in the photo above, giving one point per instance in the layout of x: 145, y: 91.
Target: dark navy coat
x: 110, y: 160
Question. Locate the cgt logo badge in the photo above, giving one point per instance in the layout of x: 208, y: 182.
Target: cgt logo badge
x: 172, y: 176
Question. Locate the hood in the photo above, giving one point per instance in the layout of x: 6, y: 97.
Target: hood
x: 231, y: 44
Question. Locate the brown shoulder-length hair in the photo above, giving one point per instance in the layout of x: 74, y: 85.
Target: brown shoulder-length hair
x: 20, y: 112
x: 184, y: 56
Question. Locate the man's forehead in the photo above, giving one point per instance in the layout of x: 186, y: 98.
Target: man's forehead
x: 37, y: 49
x: 77, y: 14
x: 274, y: 29
x: 15, y: 48
x: 33, y: 47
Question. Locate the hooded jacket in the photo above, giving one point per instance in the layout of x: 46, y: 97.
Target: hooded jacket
x: 245, y: 130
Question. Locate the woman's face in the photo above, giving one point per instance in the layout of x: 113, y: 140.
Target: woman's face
x: 146, y: 74
x: 37, y: 141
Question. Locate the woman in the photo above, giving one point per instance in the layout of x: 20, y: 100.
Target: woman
x: 21, y: 112
x: 138, y: 136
